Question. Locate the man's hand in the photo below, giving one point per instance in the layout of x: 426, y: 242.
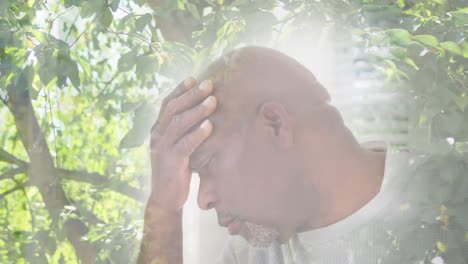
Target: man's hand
x: 174, y: 138
x: 181, y: 127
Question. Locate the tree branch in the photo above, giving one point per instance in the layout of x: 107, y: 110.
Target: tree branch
x: 11, y: 173
x: 93, y: 178
x: 7, y: 157
x: 97, y: 179
x: 14, y: 189
x: 42, y: 172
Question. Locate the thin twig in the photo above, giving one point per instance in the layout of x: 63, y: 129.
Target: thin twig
x: 130, y: 35
x: 87, y: 27
x: 106, y: 84
x: 71, y: 27
x: 5, y: 193
x: 11, y: 173
x: 5, y: 156
x: 81, y: 34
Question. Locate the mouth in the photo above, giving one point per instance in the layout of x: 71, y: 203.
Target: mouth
x: 234, y: 225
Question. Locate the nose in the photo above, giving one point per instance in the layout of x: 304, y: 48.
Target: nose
x: 206, y: 195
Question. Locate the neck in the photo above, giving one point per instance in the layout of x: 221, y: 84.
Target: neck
x: 346, y: 183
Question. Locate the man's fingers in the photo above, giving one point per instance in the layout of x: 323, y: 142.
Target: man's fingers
x: 183, y: 122
x: 184, y: 102
x: 184, y: 86
x: 190, y: 98
x: 187, y: 144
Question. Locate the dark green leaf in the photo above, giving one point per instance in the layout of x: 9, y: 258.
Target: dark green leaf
x: 106, y: 18
x: 193, y: 10
x: 147, y: 64
x: 144, y: 118
x: 142, y: 22
x: 91, y: 7
x: 127, y: 60
x: 73, y: 74
x: 24, y: 78
x: 69, y: 3
x: 47, y: 72
x: 114, y: 5
x: 142, y: 2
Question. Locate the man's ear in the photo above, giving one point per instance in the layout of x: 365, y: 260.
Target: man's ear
x: 276, y: 122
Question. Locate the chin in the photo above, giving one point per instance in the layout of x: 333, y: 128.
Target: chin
x: 259, y: 236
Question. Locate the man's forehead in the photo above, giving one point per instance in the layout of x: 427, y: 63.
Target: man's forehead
x: 203, y: 150
x: 214, y: 142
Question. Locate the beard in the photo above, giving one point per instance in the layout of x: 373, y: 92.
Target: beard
x: 260, y: 236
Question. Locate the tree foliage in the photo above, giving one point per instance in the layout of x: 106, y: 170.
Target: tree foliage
x: 81, y: 82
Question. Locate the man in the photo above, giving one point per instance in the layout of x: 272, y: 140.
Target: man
x: 275, y: 160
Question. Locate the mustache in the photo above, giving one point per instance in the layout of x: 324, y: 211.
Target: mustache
x: 222, y: 214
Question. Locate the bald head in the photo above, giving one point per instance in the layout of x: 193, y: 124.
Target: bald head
x: 247, y: 77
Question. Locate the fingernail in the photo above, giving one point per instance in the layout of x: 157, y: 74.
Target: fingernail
x: 188, y: 82
x: 207, y: 101
x: 205, y: 124
x: 205, y: 85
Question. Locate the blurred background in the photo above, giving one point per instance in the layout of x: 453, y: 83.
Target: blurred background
x: 81, y: 83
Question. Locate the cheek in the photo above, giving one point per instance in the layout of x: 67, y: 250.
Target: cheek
x: 246, y: 176
x: 235, y: 177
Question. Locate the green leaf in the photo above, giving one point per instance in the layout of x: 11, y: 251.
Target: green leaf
x: 39, y: 36
x: 441, y: 246
x: 410, y: 62
x: 126, y: 18
x: 166, y: 9
x: 83, y: 64
x: 127, y: 60
x: 92, y: 7
x: 147, y: 64
x: 88, y: 9
x: 452, y: 47
x: 193, y: 10
x: 461, y: 16
x: 114, y: 5
x: 106, y: 18
x: 46, y: 74
x: 400, y: 3
x: 24, y: 78
x: 461, y: 101
x: 142, y: 22
x: 144, y: 118
x: 464, y: 48
x: 401, y: 35
x: 69, y: 3
x: 73, y: 74
x: 142, y: 2
x: 427, y: 40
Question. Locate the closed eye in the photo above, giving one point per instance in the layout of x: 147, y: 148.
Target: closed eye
x: 205, y: 165
x: 199, y: 165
